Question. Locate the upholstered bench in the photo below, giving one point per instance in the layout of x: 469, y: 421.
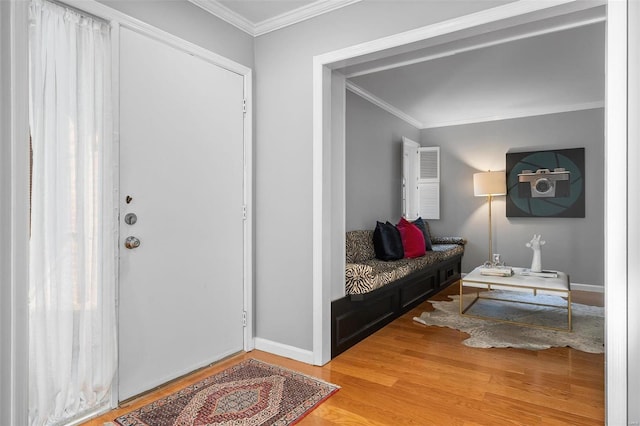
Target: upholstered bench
x: 365, y: 273
x: 378, y: 291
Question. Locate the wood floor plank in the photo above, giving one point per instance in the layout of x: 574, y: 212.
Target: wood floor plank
x: 411, y: 374
x: 549, y: 414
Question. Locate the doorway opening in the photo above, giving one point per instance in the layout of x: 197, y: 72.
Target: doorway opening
x: 329, y: 161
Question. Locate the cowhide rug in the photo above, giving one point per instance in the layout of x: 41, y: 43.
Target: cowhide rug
x: 588, y: 322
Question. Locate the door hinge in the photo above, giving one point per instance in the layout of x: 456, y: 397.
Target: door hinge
x: 244, y: 212
x: 244, y: 106
x: 244, y: 318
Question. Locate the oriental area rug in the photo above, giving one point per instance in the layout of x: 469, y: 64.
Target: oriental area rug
x: 588, y: 322
x: 249, y: 393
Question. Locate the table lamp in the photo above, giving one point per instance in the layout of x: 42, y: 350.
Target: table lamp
x: 489, y: 184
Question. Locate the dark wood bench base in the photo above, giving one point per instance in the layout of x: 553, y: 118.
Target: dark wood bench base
x: 354, y: 317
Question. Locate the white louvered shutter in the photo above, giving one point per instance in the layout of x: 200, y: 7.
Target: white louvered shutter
x: 429, y: 182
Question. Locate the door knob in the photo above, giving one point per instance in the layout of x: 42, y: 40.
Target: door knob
x: 131, y: 242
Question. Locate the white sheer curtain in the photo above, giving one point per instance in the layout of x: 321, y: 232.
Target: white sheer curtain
x: 72, y: 323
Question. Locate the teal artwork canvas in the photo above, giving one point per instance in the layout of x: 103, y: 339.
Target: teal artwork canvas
x: 546, y: 183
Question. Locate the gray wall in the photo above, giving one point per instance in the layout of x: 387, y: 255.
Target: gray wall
x: 283, y: 157
x: 373, y: 163
x: 574, y: 245
x: 191, y: 23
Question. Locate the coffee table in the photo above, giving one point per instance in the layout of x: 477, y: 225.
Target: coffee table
x: 558, y: 286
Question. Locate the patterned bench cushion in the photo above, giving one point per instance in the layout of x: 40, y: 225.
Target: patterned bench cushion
x: 364, y: 272
x: 448, y: 240
x: 360, y: 278
x: 370, y: 274
x: 359, y: 246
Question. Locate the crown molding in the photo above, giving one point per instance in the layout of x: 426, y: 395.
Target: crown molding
x: 226, y: 14
x: 300, y: 14
x: 294, y: 16
x: 382, y: 104
x: 521, y: 113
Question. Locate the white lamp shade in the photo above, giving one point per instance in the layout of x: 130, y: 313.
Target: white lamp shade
x: 489, y: 183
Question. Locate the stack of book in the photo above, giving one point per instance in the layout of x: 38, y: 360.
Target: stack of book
x: 497, y: 271
x: 543, y: 274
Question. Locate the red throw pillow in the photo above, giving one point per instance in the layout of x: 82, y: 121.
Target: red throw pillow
x: 412, y: 239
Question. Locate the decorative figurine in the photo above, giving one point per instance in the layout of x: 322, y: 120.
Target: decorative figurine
x: 535, y: 244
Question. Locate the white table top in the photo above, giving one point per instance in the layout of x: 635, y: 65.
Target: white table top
x: 476, y: 279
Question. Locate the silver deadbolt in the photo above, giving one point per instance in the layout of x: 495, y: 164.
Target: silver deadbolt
x: 131, y: 242
x: 130, y: 218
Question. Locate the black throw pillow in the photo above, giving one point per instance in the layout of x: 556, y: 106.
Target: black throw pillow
x: 423, y: 227
x: 387, y: 242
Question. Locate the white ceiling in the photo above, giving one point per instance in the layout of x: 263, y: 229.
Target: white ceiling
x: 555, y: 72
x: 515, y: 70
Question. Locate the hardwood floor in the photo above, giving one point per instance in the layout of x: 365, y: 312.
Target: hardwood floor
x: 410, y: 374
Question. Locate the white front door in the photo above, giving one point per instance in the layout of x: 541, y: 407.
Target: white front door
x: 181, y: 174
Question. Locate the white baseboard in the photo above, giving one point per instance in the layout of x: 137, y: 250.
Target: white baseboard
x: 284, y: 350
x: 587, y: 287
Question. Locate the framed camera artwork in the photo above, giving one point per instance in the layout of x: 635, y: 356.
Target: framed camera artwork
x: 546, y: 183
